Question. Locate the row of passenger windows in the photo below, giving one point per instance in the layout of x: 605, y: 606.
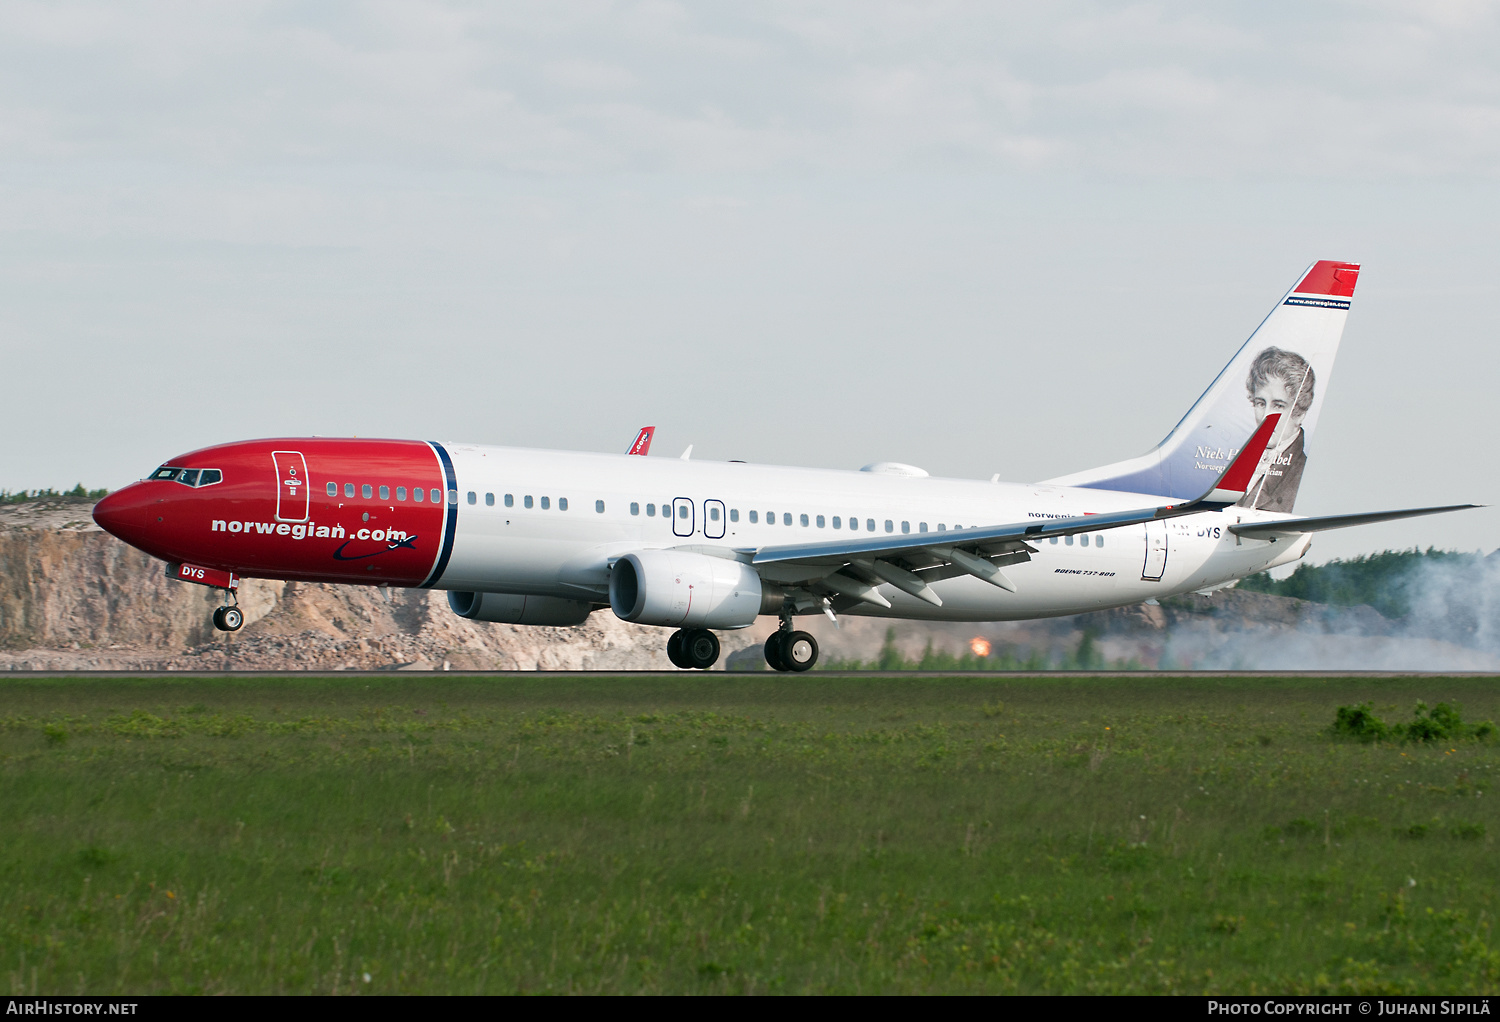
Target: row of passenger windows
x: 420, y: 495
x: 787, y: 518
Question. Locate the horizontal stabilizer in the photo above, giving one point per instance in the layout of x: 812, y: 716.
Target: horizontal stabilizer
x: 1299, y: 526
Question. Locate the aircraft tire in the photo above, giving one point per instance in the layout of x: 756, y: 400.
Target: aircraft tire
x: 773, y: 649
x: 799, y: 651
x: 674, y: 649
x: 219, y: 619
x: 700, y: 649
x: 232, y: 618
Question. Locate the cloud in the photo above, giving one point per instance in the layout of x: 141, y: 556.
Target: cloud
x: 1140, y: 89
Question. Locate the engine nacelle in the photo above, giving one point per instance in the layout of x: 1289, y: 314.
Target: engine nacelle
x: 518, y: 610
x: 686, y: 590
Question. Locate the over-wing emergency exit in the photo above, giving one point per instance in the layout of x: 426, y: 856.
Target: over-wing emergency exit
x: 548, y: 537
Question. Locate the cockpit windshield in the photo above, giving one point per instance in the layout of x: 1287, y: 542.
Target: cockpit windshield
x: 188, y: 476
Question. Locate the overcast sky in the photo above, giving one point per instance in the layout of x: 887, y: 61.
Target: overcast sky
x: 988, y: 237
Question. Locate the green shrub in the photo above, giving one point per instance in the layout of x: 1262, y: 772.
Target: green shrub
x: 1359, y: 723
x: 1441, y: 723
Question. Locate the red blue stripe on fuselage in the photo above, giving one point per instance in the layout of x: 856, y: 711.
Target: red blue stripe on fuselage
x: 355, y: 520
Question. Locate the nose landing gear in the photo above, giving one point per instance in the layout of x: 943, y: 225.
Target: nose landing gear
x: 694, y: 649
x: 229, y: 618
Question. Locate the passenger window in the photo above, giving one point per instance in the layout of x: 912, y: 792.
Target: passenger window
x: 366, y: 492
x: 734, y: 514
x: 546, y: 503
x: 333, y: 489
x: 489, y: 500
x: 453, y: 497
x: 1067, y: 541
x: 820, y: 521
x: 385, y: 493
x: 599, y: 506
x: 562, y: 503
x: 770, y: 517
x: 526, y: 500
x: 210, y: 476
x: 473, y: 497
x: 682, y: 512
x: 1053, y: 541
x: 942, y: 527
x: 1083, y: 541
x: 786, y: 518
x: 1098, y: 541
x: 510, y: 500
x: 870, y: 525
x: 804, y: 521
x: 348, y: 489
x: 650, y: 510
x: 418, y: 494
x: 635, y: 507
x: 754, y: 517
x: 889, y: 526
x: 713, y: 514
x: 400, y: 493
x: 921, y: 526
x: 906, y: 526
x: 837, y: 522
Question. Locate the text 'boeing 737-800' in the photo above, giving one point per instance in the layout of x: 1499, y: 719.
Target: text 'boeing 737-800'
x: 539, y: 537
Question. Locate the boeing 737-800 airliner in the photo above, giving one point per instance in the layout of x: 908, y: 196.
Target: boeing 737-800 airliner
x: 548, y: 537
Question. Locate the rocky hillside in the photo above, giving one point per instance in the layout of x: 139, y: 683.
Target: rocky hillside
x: 74, y: 598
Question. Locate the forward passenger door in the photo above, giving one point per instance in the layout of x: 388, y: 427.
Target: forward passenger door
x: 684, y: 522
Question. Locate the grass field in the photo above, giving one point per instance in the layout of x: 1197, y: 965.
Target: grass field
x: 741, y: 833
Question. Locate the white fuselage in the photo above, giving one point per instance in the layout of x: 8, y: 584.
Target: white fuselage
x: 506, y: 541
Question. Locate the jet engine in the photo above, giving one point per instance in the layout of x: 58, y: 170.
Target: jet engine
x: 518, y: 610
x: 687, y: 590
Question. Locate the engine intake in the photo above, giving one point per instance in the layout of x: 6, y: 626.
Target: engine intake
x: 518, y: 610
x: 687, y: 590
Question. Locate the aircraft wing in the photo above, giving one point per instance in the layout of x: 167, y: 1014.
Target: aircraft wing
x: 1300, y: 526
x: 853, y: 568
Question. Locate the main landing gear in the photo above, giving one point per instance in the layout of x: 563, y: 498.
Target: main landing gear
x: 693, y: 648
x: 229, y: 618
x: 788, y: 650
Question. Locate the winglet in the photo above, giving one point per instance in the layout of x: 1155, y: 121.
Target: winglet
x: 1241, y: 471
x: 642, y: 441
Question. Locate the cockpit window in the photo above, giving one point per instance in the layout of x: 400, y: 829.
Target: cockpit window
x: 188, y: 476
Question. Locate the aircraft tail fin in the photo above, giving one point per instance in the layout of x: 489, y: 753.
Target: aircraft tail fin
x: 1283, y: 368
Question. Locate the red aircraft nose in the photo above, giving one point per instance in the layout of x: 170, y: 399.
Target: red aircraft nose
x: 128, y: 513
